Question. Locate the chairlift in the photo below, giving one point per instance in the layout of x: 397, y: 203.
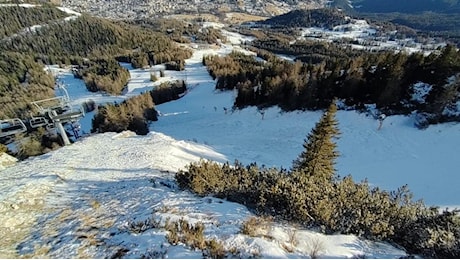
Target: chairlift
x: 36, y: 122
x: 59, y: 103
x: 11, y: 127
x: 51, y: 129
x: 70, y: 115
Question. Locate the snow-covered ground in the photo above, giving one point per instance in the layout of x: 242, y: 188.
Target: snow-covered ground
x: 359, y: 34
x: 78, y: 201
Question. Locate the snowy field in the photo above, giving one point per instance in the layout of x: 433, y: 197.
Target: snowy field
x: 364, y: 36
x: 78, y: 201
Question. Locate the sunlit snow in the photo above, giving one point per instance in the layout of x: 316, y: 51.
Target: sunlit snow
x: 78, y: 201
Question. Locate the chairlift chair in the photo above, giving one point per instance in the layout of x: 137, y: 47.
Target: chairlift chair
x: 36, y: 122
x: 70, y: 115
x: 11, y: 127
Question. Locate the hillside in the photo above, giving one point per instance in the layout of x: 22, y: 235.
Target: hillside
x: 406, y: 6
x: 117, y: 195
x: 37, y: 35
x: 323, y: 18
x: 88, y: 203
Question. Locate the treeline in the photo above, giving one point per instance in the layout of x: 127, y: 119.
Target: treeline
x: 93, y: 37
x: 311, y: 194
x: 385, y: 79
x: 438, y: 25
x: 323, y: 18
x: 168, y: 91
x: 22, y: 80
x: 427, y: 21
x: 104, y: 75
x: 307, y: 50
x: 181, y: 31
x: 13, y: 19
x: 409, y: 6
x: 135, y: 113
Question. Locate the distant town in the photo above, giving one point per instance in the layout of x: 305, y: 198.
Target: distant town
x: 135, y: 9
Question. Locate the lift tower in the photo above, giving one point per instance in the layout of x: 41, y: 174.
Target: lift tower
x: 58, y: 111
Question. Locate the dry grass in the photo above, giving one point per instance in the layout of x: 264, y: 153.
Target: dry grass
x: 95, y: 204
x: 273, y: 9
x: 257, y: 226
x: 292, y: 237
x: 167, y: 209
x: 238, y: 18
x: 287, y: 247
x: 39, y: 252
x: 316, y: 247
x: 214, y: 249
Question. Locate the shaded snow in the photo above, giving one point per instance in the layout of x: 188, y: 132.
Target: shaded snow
x: 420, y: 92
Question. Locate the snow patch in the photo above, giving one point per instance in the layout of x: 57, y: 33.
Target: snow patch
x: 124, y: 134
x: 420, y: 92
x: 68, y: 11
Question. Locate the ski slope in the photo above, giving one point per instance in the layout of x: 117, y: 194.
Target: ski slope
x: 78, y: 201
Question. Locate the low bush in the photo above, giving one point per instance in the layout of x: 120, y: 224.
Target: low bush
x: 132, y: 114
x: 313, y: 198
x: 168, y: 91
x: 3, y: 148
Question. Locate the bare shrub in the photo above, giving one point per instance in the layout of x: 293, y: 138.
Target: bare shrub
x: 173, y: 235
x: 316, y: 248
x: 3, y: 148
x: 250, y: 226
x: 292, y: 237
x: 193, y: 235
x: 214, y: 249
x: 142, y: 226
x: 154, y: 254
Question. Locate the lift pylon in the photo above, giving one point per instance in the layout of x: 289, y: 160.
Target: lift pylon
x: 59, y: 111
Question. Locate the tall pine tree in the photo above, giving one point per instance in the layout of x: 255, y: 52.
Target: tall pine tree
x: 319, y: 156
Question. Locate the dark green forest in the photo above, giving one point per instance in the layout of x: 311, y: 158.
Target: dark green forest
x: 407, y: 6
x: 385, y: 79
x: 13, y: 19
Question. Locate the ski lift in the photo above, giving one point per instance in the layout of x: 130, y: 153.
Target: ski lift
x: 59, y: 111
x: 36, y: 122
x: 50, y: 128
x: 11, y: 127
x: 70, y: 115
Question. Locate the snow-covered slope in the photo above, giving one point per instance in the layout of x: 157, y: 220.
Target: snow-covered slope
x: 78, y: 201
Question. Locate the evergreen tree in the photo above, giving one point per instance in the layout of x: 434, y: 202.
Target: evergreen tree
x: 319, y: 156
